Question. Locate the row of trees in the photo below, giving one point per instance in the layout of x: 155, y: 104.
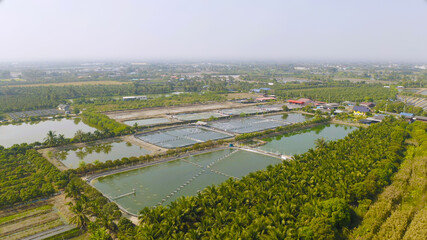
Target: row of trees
x: 109, y: 104
x: 312, y: 197
x: 93, y: 212
x: 105, y: 123
x: 39, y: 97
x: 112, y: 164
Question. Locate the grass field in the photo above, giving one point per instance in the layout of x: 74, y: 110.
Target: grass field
x: 71, y: 84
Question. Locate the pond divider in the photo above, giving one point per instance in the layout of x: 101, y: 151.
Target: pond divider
x: 221, y: 158
x: 125, y: 195
x: 199, y: 174
x: 181, y: 187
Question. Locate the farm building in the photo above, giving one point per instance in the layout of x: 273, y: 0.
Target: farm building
x: 406, y: 115
x: 64, y: 107
x: 360, y: 110
x: 301, y: 101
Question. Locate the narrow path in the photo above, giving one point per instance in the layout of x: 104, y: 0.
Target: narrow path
x: 125, y: 195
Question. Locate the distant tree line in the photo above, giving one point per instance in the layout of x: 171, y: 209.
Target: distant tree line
x: 359, y: 93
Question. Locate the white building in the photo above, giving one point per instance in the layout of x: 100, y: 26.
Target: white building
x: 129, y: 98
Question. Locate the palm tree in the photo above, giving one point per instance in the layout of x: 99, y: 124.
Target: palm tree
x: 320, y: 143
x: 50, y: 139
x: 73, y: 190
x: 80, y: 212
x: 61, y: 139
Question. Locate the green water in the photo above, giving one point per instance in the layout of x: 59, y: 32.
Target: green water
x: 301, y: 141
x: 147, y: 122
x: 101, y: 152
x: 154, y: 183
x: 32, y: 132
x: 197, y: 116
x: 291, y: 117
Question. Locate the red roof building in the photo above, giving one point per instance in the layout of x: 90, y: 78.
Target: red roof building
x: 296, y: 102
x: 301, y: 101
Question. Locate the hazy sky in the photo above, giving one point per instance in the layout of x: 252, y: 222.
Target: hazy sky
x: 386, y: 30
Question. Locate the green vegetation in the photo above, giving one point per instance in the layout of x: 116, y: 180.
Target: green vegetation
x: 309, y: 198
x: 357, y: 93
x: 101, y: 105
x: 107, y: 125
x: 400, y: 211
x: 25, y: 175
x: 40, y: 97
x: 89, y: 203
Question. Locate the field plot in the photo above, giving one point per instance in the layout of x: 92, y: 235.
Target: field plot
x: 102, y: 152
x: 163, y: 183
x: 148, y: 122
x: 181, y: 137
x: 197, y: 116
x: 247, y: 125
x: 31, y: 221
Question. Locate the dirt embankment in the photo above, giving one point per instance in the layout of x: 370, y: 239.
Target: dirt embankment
x: 150, y: 147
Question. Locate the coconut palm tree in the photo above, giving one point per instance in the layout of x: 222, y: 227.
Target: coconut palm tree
x: 80, y: 212
x: 321, y: 142
x: 50, y: 139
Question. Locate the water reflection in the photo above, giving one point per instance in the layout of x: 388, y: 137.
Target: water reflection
x: 101, y: 152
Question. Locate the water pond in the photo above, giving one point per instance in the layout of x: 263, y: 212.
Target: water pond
x: 148, y: 122
x: 301, y: 141
x: 291, y: 117
x: 99, y: 152
x: 33, y: 132
x: 163, y: 183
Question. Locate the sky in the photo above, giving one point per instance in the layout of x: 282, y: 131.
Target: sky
x: 232, y: 30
